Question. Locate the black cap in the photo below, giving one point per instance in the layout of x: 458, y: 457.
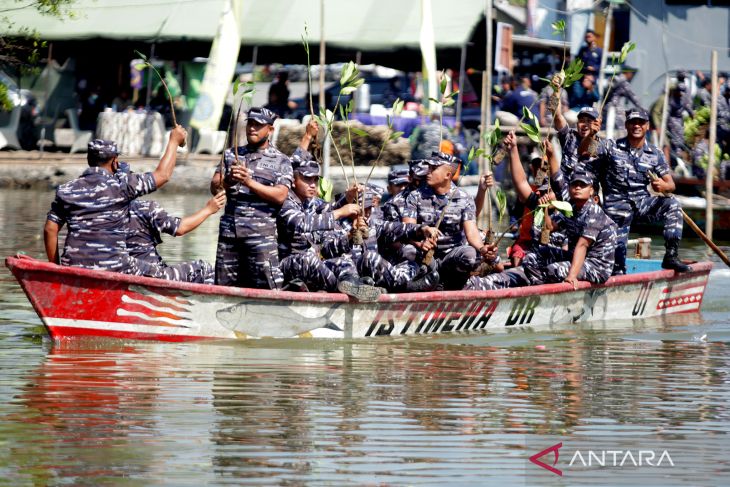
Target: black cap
x: 581, y: 175
x: 637, y: 113
x: 306, y: 168
x: 262, y: 115
x: 588, y: 111
x: 399, y: 176
x: 99, y: 150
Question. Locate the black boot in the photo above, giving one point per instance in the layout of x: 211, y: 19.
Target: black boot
x: 425, y: 283
x: 671, y: 257
x: 354, y: 287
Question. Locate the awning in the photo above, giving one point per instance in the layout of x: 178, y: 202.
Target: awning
x: 357, y: 24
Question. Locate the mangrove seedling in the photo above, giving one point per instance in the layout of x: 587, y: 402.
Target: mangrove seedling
x: 148, y: 64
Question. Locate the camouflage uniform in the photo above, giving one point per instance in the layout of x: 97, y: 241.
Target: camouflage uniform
x: 675, y: 122
x: 95, y: 207
x: 625, y: 177
x: 454, y: 257
x: 514, y: 277
x: 621, y: 90
x: 304, y: 227
x: 247, y: 249
x: 148, y: 220
x: 552, y: 264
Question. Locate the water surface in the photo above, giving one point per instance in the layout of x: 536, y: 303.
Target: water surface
x: 428, y: 410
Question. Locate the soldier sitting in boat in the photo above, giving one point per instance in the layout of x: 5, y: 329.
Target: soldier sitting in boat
x: 591, y: 240
x: 256, y: 178
x: 95, y: 206
x: 409, y: 181
x: 626, y: 167
x: 305, y: 224
x: 148, y: 220
x: 529, y: 240
x: 441, y: 204
x: 403, y: 275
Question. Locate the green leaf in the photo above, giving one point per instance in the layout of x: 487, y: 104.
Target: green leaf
x: 397, y: 106
x: 501, y: 204
x: 453, y: 94
x: 396, y: 135
x: 470, y: 157
x: 351, y: 106
x: 539, y: 217
x: 434, y: 100
x: 325, y: 188
x: 347, y: 72
x: 342, y: 113
x: 142, y: 56
x: 625, y: 50
x: 444, y: 83
x: 347, y: 90
x: 448, y: 102
x: 563, y: 207
x: 558, y: 27
x: 235, y: 86
x: 359, y: 132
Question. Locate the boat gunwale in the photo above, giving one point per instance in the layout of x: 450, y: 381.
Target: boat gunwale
x: 26, y: 263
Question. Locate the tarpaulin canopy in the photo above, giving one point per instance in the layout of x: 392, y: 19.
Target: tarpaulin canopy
x: 359, y: 24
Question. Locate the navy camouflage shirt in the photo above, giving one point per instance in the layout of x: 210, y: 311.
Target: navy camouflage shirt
x: 246, y: 214
x: 95, y: 206
x: 425, y: 207
x: 148, y: 221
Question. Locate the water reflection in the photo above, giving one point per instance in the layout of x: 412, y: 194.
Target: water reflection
x: 426, y: 410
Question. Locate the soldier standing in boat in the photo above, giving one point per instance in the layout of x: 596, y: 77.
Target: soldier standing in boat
x: 95, y: 206
x: 626, y: 167
x: 256, y: 178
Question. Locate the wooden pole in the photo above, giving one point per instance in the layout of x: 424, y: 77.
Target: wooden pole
x: 462, y: 73
x: 604, y: 57
x: 326, y: 141
x: 486, y: 115
x: 665, y: 112
x: 709, y: 177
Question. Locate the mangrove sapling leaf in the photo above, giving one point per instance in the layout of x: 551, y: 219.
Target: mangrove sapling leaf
x: 167, y: 90
x: 539, y: 216
x: 359, y: 132
x: 562, y: 206
x: 501, y: 204
x: 558, y: 27
x: 573, y: 73
x: 444, y: 83
x: 625, y: 50
x: 396, y: 135
x: 434, y: 100
x: 615, y: 61
x: 397, y: 107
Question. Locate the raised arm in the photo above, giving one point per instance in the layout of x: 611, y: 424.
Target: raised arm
x: 163, y: 172
x: 191, y: 222
x: 519, y: 178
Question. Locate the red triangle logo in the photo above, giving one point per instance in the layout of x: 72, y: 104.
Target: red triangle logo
x: 551, y: 468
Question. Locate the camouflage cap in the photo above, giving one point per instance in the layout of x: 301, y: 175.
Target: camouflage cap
x: 102, y: 150
x: 582, y: 176
x: 418, y: 167
x: 306, y: 168
x: 399, y: 176
x: 589, y: 112
x: 377, y: 190
x: 440, y: 158
x: 262, y: 115
x: 637, y: 113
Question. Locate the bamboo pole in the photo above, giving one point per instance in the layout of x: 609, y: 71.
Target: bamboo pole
x: 486, y: 115
x: 665, y: 112
x: 327, y: 139
x: 604, y: 56
x: 709, y: 176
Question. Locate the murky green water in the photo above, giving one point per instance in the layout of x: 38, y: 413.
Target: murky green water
x: 463, y: 411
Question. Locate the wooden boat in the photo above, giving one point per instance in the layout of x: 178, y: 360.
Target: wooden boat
x: 75, y: 302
